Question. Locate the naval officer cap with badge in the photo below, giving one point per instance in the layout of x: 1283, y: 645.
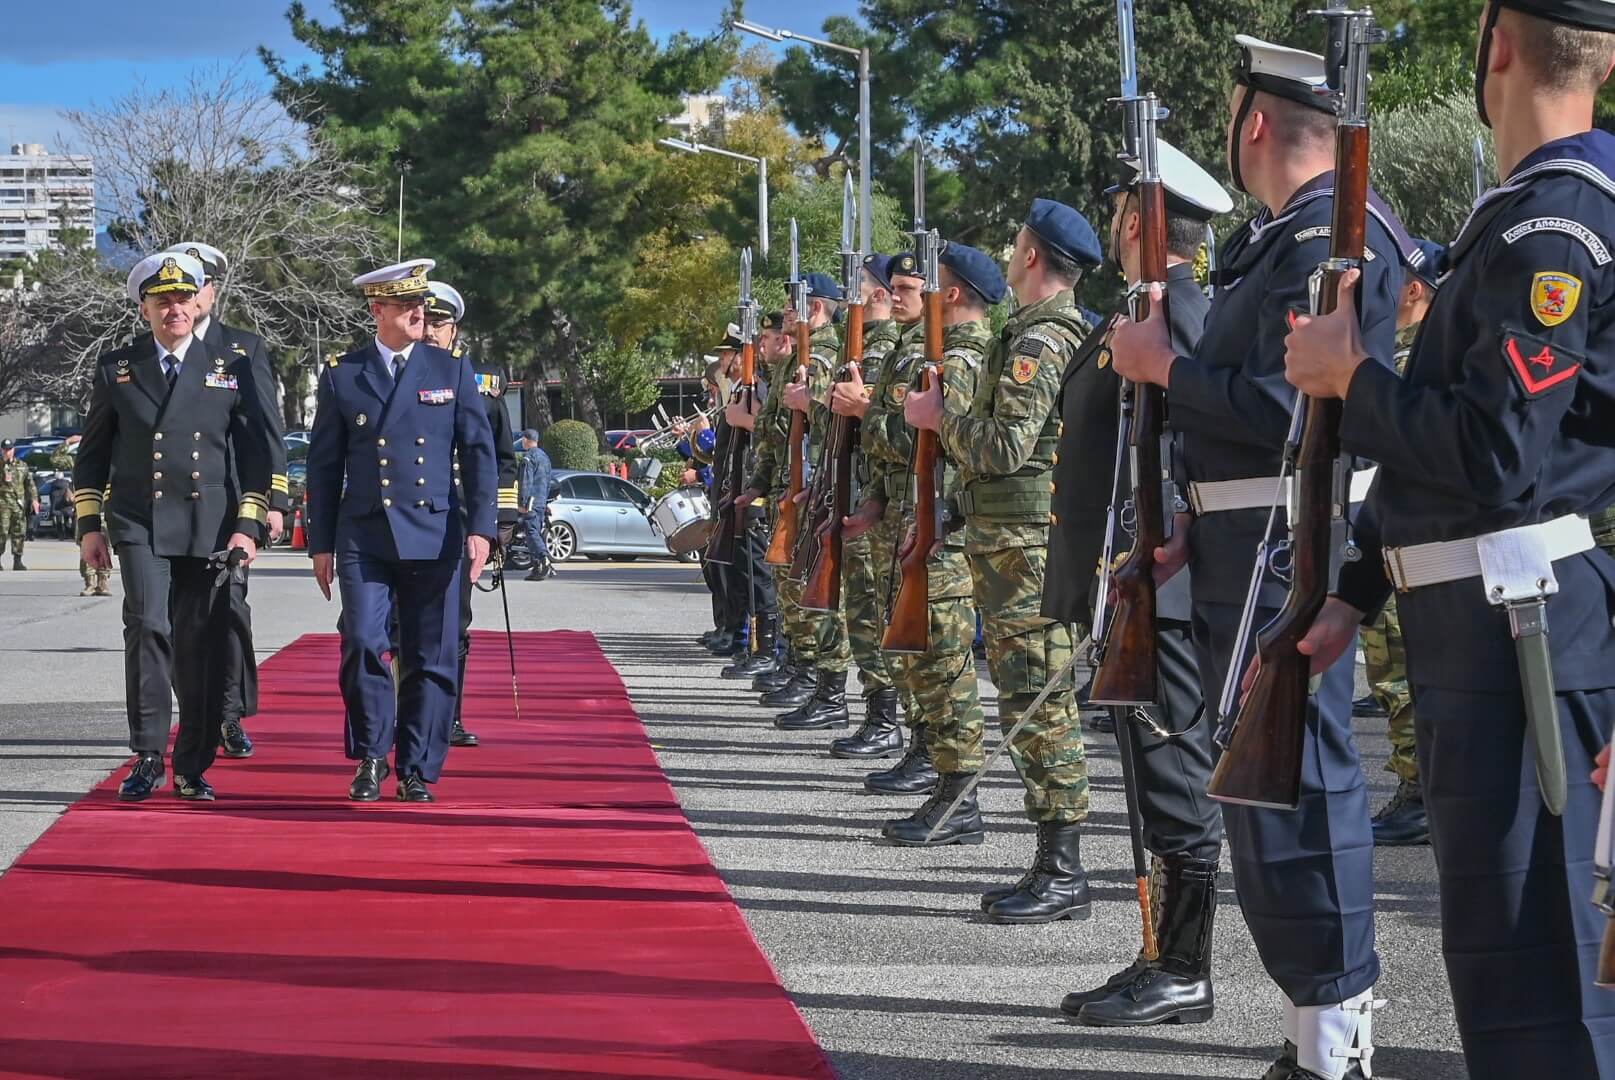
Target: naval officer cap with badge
x: 388, y: 523
x: 1492, y: 451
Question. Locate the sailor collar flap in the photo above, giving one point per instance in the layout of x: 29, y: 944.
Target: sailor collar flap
x: 1252, y: 241
x: 1589, y: 156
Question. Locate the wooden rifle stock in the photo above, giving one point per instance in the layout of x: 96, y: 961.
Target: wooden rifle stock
x: 1262, y: 765
x: 1606, y: 958
x: 721, y: 546
x: 784, y: 541
x: 822, y: 589
x: 1128, y: 671
x: 908, y: 628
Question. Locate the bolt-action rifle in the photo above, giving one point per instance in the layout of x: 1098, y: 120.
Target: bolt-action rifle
x: 721, y: 548
x: 787, y: 528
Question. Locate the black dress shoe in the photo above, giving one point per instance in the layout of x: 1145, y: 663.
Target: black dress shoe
x: 1402, y: 822
x: 366, y: 786
x: 193, y: 788
x: 1056, y: 887
x: 724, y: 644
x: 144, y: 778
x: 459, y: 736
x: 412, y: 788
x: 233, y: 741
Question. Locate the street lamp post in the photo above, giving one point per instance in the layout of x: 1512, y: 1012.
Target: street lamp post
x: 690, y: 147
x: 865, y: 219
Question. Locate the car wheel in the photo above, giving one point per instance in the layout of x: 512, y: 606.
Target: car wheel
x: 518, y: 558
x: 562, y: 542
x: 690, y: 557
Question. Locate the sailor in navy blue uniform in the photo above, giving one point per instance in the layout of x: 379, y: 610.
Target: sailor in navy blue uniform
x: 1305, y: 878
x: 385, y: 522
x: 1181, y: 824
x: 1492, y: 450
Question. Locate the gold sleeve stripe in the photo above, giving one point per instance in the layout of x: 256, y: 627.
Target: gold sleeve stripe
x: 87, y: 502
x: 278, y: 483
x: 251, y: 512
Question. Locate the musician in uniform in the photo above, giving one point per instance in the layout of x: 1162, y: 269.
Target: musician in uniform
x: 1305, y: 877
x: 1172, y: 741
x: 942, y: 679
x: 861, y: 592
x: 731, y: 629
x: 1003, y: 445
x: 750, y: 587
x: 1493, y: 449
x: 444, y: 310
x: 178, y: 431
x: 386, y: 524
x: 241, y: 677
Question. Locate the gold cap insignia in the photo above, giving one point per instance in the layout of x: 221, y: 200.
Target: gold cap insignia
x: 170, y: 272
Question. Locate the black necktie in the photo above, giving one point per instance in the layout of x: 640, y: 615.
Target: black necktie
x: 398, y: 365
x: 173, y: 371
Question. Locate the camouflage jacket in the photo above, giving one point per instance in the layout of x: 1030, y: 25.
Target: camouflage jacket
x: 16, y: 484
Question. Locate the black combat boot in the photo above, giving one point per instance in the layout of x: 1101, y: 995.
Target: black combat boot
x: 913, y: 774
x: 881, y: 734
x: 827, y: 707
x: 1403, y: 822
x: 964, y: 827
x: 1176, y: 988
x: 1055, y: 887
x: 762, y: 660
x: 798, y: 691
x: 16, y: 563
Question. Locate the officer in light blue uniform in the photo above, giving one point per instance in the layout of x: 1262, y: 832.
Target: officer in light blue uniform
x: 386, y: 522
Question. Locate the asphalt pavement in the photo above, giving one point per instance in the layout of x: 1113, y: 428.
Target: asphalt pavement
x: 882, y: 948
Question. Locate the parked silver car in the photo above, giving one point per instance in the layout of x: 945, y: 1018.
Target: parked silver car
x: 599, y: 516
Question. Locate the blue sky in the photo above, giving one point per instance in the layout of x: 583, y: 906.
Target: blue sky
x: 74, y: 53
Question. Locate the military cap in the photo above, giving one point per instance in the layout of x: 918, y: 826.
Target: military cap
x: 773, y: 320
x: 823, y: 287
x: 1066, y: 231
x: 731, y: 338
x: 445, y: 301
x: 212, y: 259
x: 975, y: 269
x: 879, y: 269
x: 904, y: 264
x: 400, y: 281
x: 7, y: 444
x: 1190, y: 191
x: 1427, y: 260
x: 1587, y: 14
x: 1293, y: 74
x: 165, y: 272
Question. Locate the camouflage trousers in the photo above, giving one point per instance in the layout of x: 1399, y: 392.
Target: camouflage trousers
x: 818, y: 637
x: 1387, y: 663
x: 863, y: 602
x: 883, y: 540
x: 943, y: 678
x: 1024, y: 651
x: 13, y: 523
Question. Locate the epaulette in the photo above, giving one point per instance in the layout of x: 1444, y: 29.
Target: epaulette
x: 238, y: 348
x: 334, y: 359
x: 458, y: 351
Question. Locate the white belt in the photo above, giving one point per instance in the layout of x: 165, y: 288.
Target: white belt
x: 1256, y: 493
x: 1418, y: 565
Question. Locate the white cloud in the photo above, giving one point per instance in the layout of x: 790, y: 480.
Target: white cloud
x: 36, y: 124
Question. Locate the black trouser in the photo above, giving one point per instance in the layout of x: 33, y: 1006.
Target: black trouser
x: 1178, y: 817
x: 713, y: 575
x: 241, y: 669
x: 750, y: 582
x: 175, y: 637
x: 466, y: 589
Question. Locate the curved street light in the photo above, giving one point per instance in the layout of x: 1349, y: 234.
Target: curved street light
x: 691, y: 147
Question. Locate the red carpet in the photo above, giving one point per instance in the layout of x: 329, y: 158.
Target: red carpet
x: 552, y: 915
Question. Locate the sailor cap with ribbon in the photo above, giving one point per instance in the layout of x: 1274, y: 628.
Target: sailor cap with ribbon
x: 212, y: 259
x: 1587, y: 14
x: 731, y: 338
x: 1293, y: 74
x: 1190, y: 191
x: 445, y: 301
x: 400, y: 281
x: 165, y: 272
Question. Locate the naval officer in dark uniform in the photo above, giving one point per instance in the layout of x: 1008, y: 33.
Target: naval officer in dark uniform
x: 1173, y: 750
x: 444, y: 310
x: 178, y: 432
x: 1493, y: 449
x: 385, y: 523
x: 1305, y: 878
x: 241, y: 675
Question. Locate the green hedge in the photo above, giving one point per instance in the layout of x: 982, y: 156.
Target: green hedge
x: 572, y: 444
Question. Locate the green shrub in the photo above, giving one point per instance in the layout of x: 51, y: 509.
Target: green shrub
x: 572, y: 444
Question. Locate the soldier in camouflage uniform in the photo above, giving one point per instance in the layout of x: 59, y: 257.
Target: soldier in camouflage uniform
x: 1403, y: 821
x: 18, y: 498
x: 943, y: 678
x: 95, y: 581
x: 820, y: 638
x: 1003, y: 446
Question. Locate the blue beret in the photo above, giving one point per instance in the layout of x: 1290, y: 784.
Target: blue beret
x: 1065, y: 230
x: 706, y: 440
x: 1428, y: 262
x: 823, y: 286
x: 879, y: 268
x: 974, y: 269
x: 904, y: 264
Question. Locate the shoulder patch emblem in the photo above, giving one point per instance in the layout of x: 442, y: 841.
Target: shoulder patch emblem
x: 1033, y: 343
x: 1554, y: 296
x: 899, y: 392
x: 1103, y: 360
x: 1025, y: 369
x: 966, y: 355
x: 1323, y: 232
x: 1590, y: 240
x: 1537, y: 365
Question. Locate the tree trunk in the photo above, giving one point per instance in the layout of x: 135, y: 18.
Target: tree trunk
x: 536, y: 406
x: 566, y: 352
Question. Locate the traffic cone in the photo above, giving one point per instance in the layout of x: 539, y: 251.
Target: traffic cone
x: 299, y: 537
